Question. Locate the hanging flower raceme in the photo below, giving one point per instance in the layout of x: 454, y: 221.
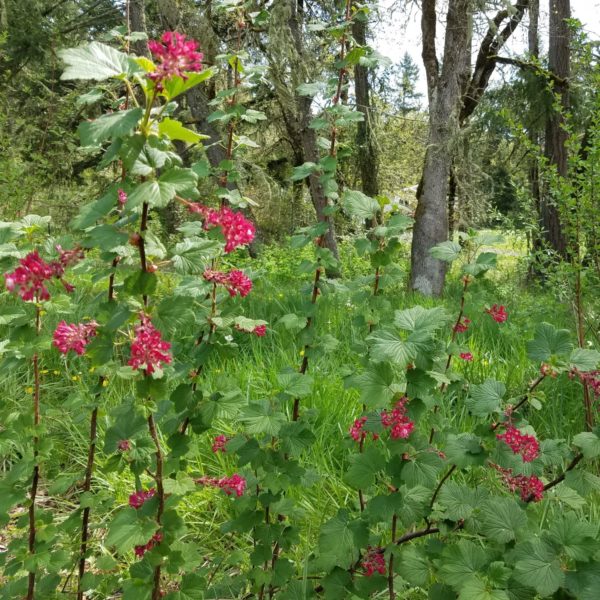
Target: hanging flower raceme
x: 219, y: 444
x: 236, y: 229
x: 74, y: 336
x: 154, y: 540
x: 175, y: 56
x: 122, y: 197
x: 589, y: 378
x: 525, y: 445
x: 236, y: 282
x: 498, y: 313
x: 530, y: 487
x: 235, y: 484
x: 137, y: 499
x: 466, y: 356
x: 462, y: 325
x: 397, y: 421
x: 148, y: 350
x: 373, y: 562
x: 29, y: 278
x: 357, y: 433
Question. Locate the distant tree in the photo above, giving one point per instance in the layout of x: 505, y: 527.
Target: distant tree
x: 409, y: 98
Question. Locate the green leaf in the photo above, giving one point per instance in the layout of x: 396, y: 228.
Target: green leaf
x: 539, y: 568
x: 574, y: 536
x: 461, y: 562
x: 177, y: 181
x: 174, y: 86
x: 106, y: 237
x: 465, y: 450
x: 421, y: 319
x: 422, y: 470
x: 94, y: 61
x: 460, y: 500
x: 549, y: 341
x: 108, y: 127
x: 502, y: 519
x: 447, y: 251
x: 304, y: 170
x: 589, y: 443
x: 310, y: 89
x: 261, y: 417
x: 148, y: 192
x: 340, y: 540
x: 387, y: 345
x: 477, y: 589
x: 175, y: 130
x: 296, y: 385
x: 359, y: 205
x: 486, y: 398
x: 414, y: 566
x: 364, y: 466
x: 192, y: 588
x: 129, y: 529
x: 375, y: 384
x: 584, y: 360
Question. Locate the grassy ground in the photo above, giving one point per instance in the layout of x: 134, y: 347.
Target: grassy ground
x: 499, y: 353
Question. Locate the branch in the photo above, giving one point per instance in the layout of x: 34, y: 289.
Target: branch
x: 530, y: 66
x: 487, y: 56
x: 428, y: 31
x: 576, y: 460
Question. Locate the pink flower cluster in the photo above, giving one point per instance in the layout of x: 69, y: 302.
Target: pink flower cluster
x: 175, y: 56
x: 525, y: 445
x: 462, y: 325
x: 397, y: 421
x: 122, y: 197
x: 236, y: 229
x: 154, y: 540
x: 148, y: 349
x: 529, y: 486
x: 230, y: 485
x: 219, y: 444
x: 466, y: 356
x: 74, y: 336
x: 29, y: 278
x: 137, y: 499
x: 236, y: 282
x: 589, y: 378
x: 373, y: 562
x: 123, y: 446
x: 258, y: 331
x: 498, y: 313
x: 356, y: 431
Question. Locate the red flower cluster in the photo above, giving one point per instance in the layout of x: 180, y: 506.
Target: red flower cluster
x: 30, y: 277
x: 397, y: 421
x: 525, y: 445
x: 498, y: 313
x: 137, y: 499
x: 230, y: 485
x: 236, y: 229
x: 236, y: 282
x: 356, y: 431
x: 175, y: 56
x: 589, y: 378
x: 148, y: 349
x: 529, y: 486
x: 74, y: 336
x: 466, y: 356
x: 462, y: 325
x: 219, y: 444
x: 373, y: 562
x: 124, y: 446
x: 122, y: 196
x: 66, y: 258
x: 154, y: 540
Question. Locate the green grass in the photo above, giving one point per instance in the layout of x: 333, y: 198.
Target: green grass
x: 499, y: 351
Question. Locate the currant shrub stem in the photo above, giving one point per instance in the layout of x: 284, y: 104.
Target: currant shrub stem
x: 36, y: 468
x: 391, y: 561
x: 156, y: 591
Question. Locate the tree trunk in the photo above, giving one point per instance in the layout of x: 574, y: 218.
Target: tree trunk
x: 308, y: 136
x: 137, y: 22
x: 366, y: 149
x: 444, y: 93
x: 556, y: 135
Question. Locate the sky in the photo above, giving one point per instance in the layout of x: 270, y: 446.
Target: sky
x: 400, y: 31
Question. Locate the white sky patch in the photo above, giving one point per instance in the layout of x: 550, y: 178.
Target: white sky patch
x: 399, y: 31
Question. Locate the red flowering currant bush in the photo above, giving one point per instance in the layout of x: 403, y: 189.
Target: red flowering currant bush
x: 472, y: 508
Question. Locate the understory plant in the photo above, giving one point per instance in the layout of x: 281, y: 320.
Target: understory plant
x: 451, y: 492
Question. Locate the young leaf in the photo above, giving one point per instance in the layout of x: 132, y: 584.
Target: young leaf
x: 486, y: 398
x: 548, y: 342
x: 447, y: 251
x: 94, y: 61
x: 589, y: 443
x: 363, y: 468
x: 359, y: 205
x: 109, y: 126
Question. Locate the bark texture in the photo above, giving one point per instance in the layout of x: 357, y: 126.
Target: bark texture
x: 444, y: 93
x: 556, y: 135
